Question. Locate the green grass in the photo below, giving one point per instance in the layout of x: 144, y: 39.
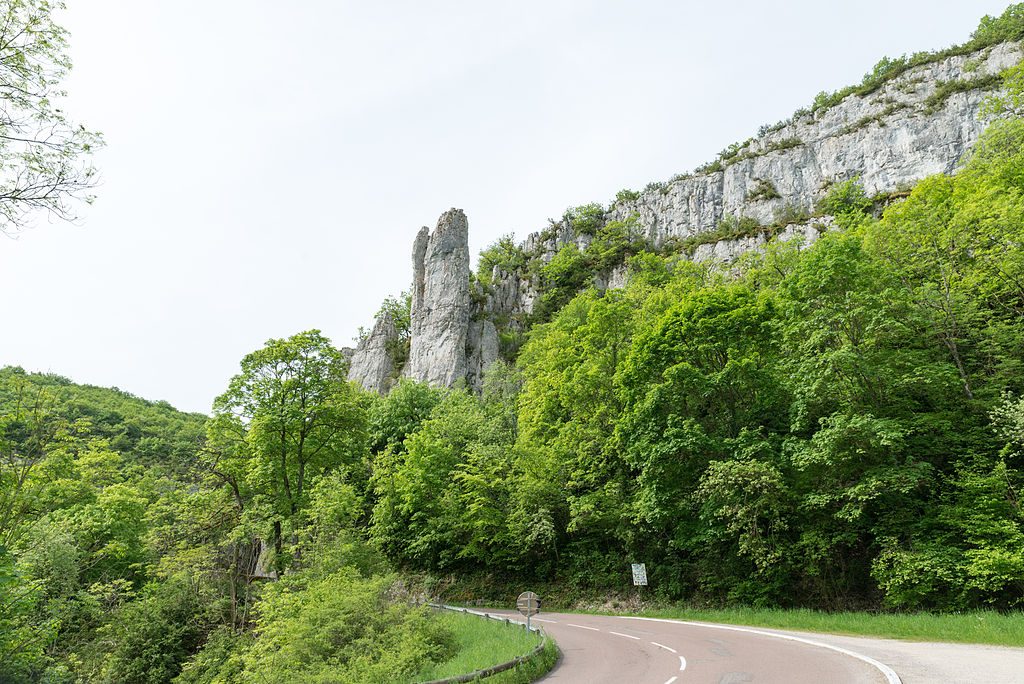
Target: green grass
x: 1002, y: 629
x: 483, y: 643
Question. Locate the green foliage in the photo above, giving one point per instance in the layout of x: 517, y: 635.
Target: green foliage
x: 789, y: 214
x: 23, y: 637
x: 504, y: 255
x: 440, y: 500
x: 397, y: 415
x: 341, y: 628
x: 844, y: 198
x: 285, y: 420
x: 994, y: 30
x: 829, y: 426
x: 45, y: 157
x: 869, y: 119
x: 729, y: 228
x: 991, y: 31
x: 585, y: 219
x: 946, y: 89
x: 710, y: 167
x: 615, y: 242
x: 398, y: 310
x: 481, y: 643
x: 153, y: 636
x: 567, y: 273
x: 1010, y: 100
x: 571, y: 269
x: 763, y: 190
x: 626, y: 196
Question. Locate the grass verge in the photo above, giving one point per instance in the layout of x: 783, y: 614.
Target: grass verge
x: 983, y: 627
x: 483, y: 643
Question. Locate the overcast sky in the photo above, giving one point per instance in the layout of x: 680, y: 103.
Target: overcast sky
x: 269, y: 163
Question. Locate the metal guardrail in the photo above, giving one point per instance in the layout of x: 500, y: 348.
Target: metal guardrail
x: 494, y: 669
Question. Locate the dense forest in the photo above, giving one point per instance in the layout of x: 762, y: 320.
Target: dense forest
x: 836, y: 426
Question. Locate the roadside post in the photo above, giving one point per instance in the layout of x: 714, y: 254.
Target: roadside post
x: 639, y: 574
x: 528, y: 604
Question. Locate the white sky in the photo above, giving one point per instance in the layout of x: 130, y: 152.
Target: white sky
x: 269, y: 163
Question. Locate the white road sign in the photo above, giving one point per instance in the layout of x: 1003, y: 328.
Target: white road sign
x: 639, y: 575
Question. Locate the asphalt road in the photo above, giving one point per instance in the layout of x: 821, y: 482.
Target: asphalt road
x: 632, y: 650
x: 618, y: 650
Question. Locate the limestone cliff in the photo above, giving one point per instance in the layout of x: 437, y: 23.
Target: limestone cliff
x: 923, y: 121
x: 440, y: 302
x: 918, y: 124
x: 372, y: 363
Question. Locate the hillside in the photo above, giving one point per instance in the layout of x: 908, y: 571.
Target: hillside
x: 147, y: 433
x: 831, y: 421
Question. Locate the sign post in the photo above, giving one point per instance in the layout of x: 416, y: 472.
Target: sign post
x: 528, y: 604
x: 639, y: 574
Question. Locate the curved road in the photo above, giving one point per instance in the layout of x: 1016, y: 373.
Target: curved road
x: 622, y: 650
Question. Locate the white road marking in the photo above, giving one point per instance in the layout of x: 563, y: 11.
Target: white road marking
x: 628, y: 636
x: 890, y: 675
x: 671, y: 680
x: 682, y: 663
x: 552, y: 622
x: 592, y: 629
x: 667, y: 648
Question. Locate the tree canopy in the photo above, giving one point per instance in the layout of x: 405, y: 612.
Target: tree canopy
x: 45, y: 157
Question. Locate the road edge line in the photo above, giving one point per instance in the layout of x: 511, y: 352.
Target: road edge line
x: 890, y: 674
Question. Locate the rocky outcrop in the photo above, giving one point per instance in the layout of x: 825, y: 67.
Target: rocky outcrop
x: 482, y: 349
x: 914, y: 126
x: 727, y: 251
x: 372, y: 363
x: 920, y: 123
x: 440, y: 313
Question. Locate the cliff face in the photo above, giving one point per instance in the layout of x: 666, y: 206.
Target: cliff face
x: 372, y: 364
x: 440, y: 302
x: 920, y: 123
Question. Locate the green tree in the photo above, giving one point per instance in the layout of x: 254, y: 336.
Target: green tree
x: 286, y: 420
x: 44, y: 156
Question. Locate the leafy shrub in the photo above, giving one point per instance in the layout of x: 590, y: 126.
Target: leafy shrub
x: 613, y: 244
x: 586, y: 218
x: 734, y: 151
x: 151, y: 638
x: 878, y: 118
x: 765, y: 129
x: 788, y: 214
x: 763, y: 190
x: 341, y: 628
x: 784, y: 144
x: 561, y: 278
x: 505, y: 254
x: 625, y: 196
x: 738, y: 226
x: 845, y: 198
x: 711, y: 167
x: 946, y: 89
x: 991, y: 31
